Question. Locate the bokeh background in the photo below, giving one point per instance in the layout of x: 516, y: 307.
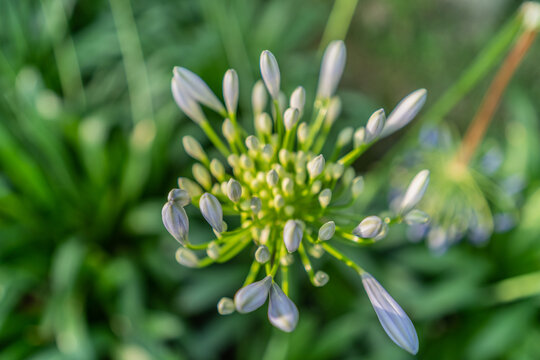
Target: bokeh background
x: 90, y: 144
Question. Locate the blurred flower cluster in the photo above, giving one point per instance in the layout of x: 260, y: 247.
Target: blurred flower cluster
x: 288, y: 198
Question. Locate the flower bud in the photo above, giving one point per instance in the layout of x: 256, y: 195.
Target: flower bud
x: 290, y: 118
x: 256, y: 204
x: 234, y: 190
x: 357, y: 186
x: 344, y: 137
x: 287, y: 185
x: 252, y: 143
x: 179, y: 197
x: 530, y: 11
x: 252, y: 296
x: 217, y: 169
x: 282, y: 312
x: 326, y: 232
x: 225, y: 306
x: 272, y: 178
x: 279, y: 201
x: 415, y: 191
x: 213, y: 251
x: 263, y: 123
x: 176, y: 221
x: 302, y: 132
x: 228, y: 130
x: 374, y: 126
x: 404, y: 112
x: 292, y: 235
x: 298, y: 99
x: 334, y: 110
x: 284, y: 157
x: 202, y: 176
x: 332, y: 67
x: 325, y: 197
x: 262, y: 255
x: 211, y: 211
x: 316, y: 166
x: 194, y: 148
x: 393, y: 319
x: 185, y: 101
x: 316, y: 187
x: 258, y: 97
x: 369, y: 228
x: 193, y: 189
x: 187, y: 258
x: 321, y: 278
x: 230, y: 90
x: 270, y: 73
x: 359, y: 137
x: 337, y: 170
x: 267, y: 152
x: 415, y: 217
x: 197, y: 88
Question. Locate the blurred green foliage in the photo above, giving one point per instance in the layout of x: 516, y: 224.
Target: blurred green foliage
x: 90, y: 145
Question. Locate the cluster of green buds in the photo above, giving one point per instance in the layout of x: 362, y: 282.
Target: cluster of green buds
x: 287, y: 197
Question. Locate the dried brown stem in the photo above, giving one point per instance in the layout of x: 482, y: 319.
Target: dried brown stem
x: 491, y: 100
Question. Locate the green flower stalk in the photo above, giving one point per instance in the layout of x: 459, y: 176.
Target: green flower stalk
x: 289, y: 198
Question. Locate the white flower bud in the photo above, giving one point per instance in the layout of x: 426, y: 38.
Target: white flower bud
x: 298, y: 99
x: 415, y: 217
x: 234, y: 190
x: 359, y: 137
x: 332, y: 67
x: 252, y: 296
x: 404, y: 112
x: 337, y: 170
x: 321, y: 278
x: 212, y: 211
x: 333, y: 112
x: 228, y: 130
x: 282, y: 312
x: 316, y: 166
x: 230, y: 90
x: 279, y: 201
x: 252, y: 143
x: 369, y: 228
x: 415, y: 191
x: 193, y: 189
x: 187, y: 258
x: 284, y: 157
x: 233, y: 160
x: 258, y: 97
x: 302, y: 132
x: 217, y: 169
x: 225, y: 306
x: 290, y: 118
x: 194, y: 148
x: 325, y: 197
x: 374, y: 126
x: 326, y: 232
x: 180, y: 197
x: 197, y: 88
x: 316, y: 187
x: 287, y: 185
x: 292, y: 235
x: 348, y: 176
x: 256, y: 204
x: 267, y: 152
x: 530, y: 10
x: 272, y: 178
x: 270, y: 73
x: 176, y: 221
x: 185, y: 101
x: 357, y: 186
x: 213, y: 250
x: 393, y: 319
x: 202, y: 176
x: 345, y: 137
x: 262, y: 255
x: 263, y: 123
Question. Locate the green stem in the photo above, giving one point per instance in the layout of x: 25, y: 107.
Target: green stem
x: 214, y: 138
x: 338, y: 255
x: 354, y: 154
x: 253, y: 271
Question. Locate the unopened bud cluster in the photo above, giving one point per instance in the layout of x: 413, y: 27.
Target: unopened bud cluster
x: 290, y: 198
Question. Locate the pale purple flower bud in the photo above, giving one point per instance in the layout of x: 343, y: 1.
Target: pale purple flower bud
x: 282, y: 312
x: 415, y: 191
x: 225, y: 306
x: 405, y: 111
x: 180, y: 197
x: 186, y: 102
x: 197, y: 88
x: 369, y: 228
x: 252, y: 296
x: 230, y: 90
x: 332, y: 67
x: 270, y: 73
x: 175, y: 220
x: 292, y: 235
x: 326, y: 232
x: 393, y: 319
x: 374, y: 125
x: 298, y: 99
x: 415, y: 217
x: 187, y: 258
x: 212, y: 211
x: 316, y: 166
x: 290, y: 118
x: 258, y: 97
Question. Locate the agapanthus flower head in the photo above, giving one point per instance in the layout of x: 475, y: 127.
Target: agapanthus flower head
x: 291, y: 200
